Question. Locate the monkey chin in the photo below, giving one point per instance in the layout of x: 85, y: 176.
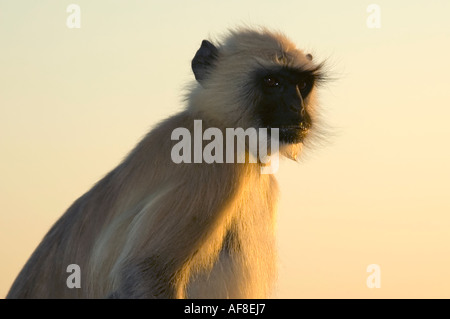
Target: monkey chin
x: 291, y: 142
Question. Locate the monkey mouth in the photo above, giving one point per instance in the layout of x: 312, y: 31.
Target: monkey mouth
x: 293, y: 134
x: 304, y: 128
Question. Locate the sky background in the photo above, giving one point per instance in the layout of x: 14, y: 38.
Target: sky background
x: 74, y: 102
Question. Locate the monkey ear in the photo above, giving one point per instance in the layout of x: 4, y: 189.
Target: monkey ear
x: 204, y: 60
x: 309, y: 56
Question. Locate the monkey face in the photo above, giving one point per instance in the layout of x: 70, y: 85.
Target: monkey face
x: 283, y: 101
x: 260, y: 87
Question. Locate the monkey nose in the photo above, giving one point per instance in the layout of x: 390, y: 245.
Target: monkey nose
x: 303, y: 112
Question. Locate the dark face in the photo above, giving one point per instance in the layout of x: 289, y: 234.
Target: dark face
x: 283, y: 93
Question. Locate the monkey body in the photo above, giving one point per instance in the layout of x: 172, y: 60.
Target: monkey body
x: 153, y: 228
x: 136, y: 241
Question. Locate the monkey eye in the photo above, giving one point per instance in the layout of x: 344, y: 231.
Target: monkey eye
x: 271, y: 81
x: 302, y: 85
x: 305, y: 85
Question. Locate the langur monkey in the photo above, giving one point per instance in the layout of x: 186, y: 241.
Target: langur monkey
x: 152, y: 228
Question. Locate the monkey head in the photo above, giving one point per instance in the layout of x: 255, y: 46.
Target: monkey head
x: 257, y: 78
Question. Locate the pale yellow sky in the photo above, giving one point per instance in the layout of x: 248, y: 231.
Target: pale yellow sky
x: 73, y: 102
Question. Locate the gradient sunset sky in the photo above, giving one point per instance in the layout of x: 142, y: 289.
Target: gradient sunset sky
x: 74, y: 102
